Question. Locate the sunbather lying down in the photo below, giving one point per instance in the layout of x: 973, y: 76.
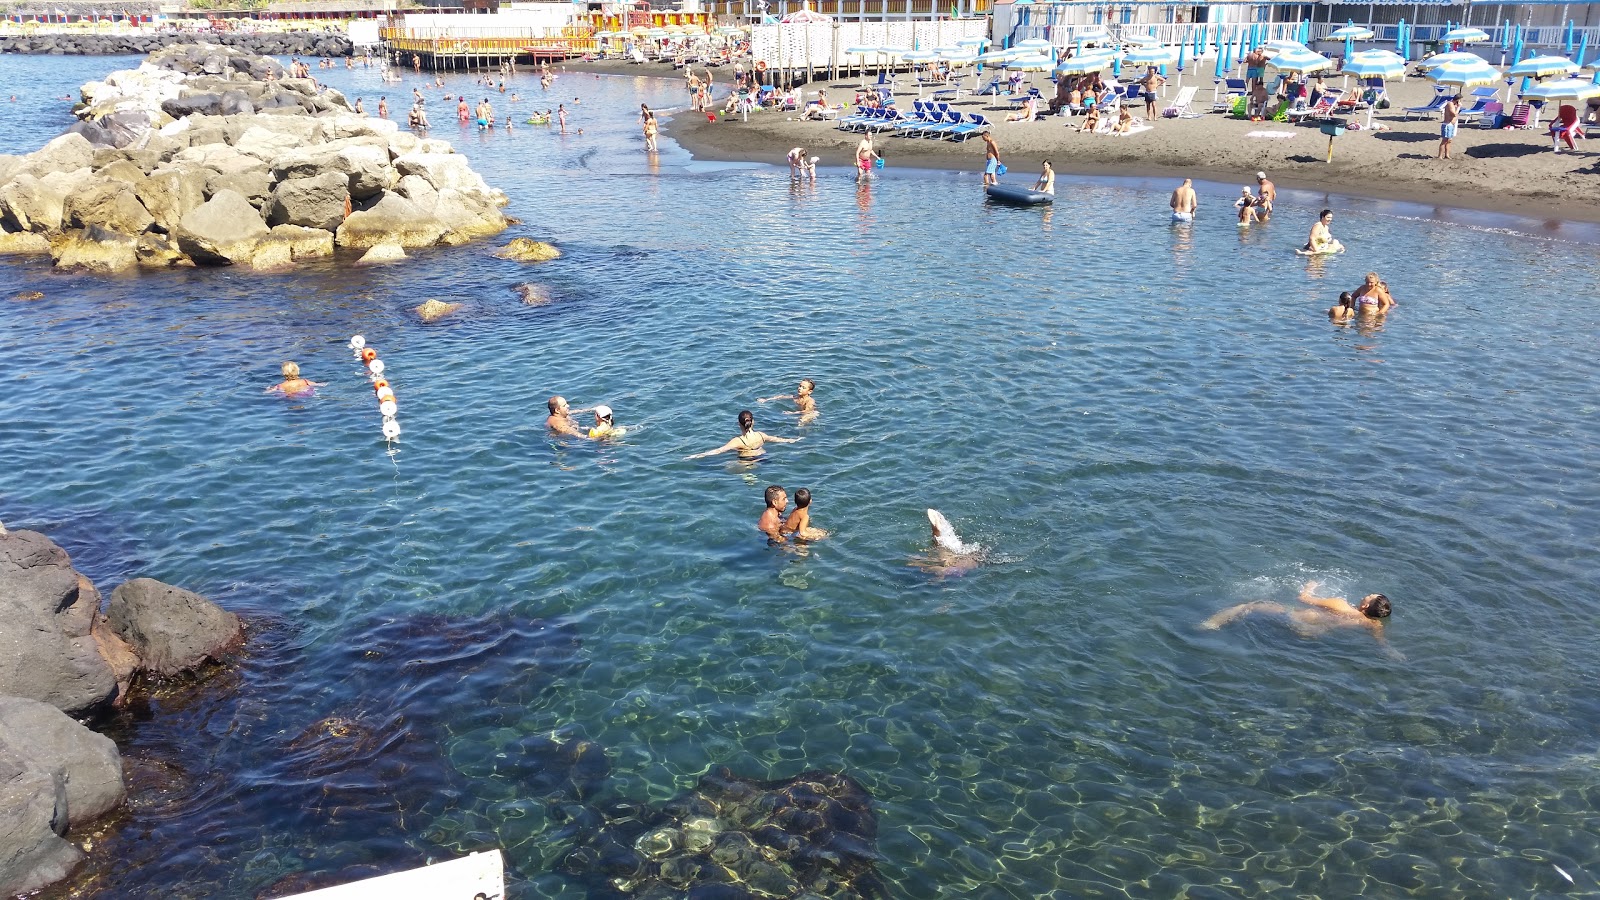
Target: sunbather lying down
x: 1028, y: 112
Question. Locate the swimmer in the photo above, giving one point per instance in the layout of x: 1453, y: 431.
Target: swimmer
x: 293, y: 385
x: 1321, y: 239
x: 561, y: 419
x: 805, y: 403
x: 1047, y: 180
x: 1320, y: 615
x: 603, y: 426
x: 949, y: 555
x: 1184, y: 203
x: 1345, y: 311
x: 771, y: 521
x: 749, y: 442
x: 799, y: 521
x: 1372, y: 297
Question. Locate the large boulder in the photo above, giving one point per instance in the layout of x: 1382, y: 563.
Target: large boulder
x: 382, y: 253
x: 23, y: 243
x: 223, y: 230
x: 27, y: 203
x: 47, y: 615
x: 392, y: 220
x: 255, y: 185
x: 170, y: 629
x: 86, y: 763
x: 160, y: 251
x: 96, y: 249
x: 110, y: 204
x: 466, y: 216
x: 315, y: 202
x: 172, y: 193
x: 303, y: 242
x: 363, y: 161
x: 528, y: 250
x: 64, y: 154
x: 266, y: 144
x: 33, y: 818
x: 443, y: 170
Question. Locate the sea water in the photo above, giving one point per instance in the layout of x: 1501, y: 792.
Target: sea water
x: 1141, y: 424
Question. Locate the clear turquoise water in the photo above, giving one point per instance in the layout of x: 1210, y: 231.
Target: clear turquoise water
x: 1142, y: 424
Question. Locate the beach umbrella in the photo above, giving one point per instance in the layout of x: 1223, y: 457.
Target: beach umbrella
x: 1375, y: 64
x: 979, y: 42
x: 1150, y: 56
x: 997, y: 56
x: 1084, y: 63
x: 1454, y: 56
x: 1541, y: 66
x: 1141, y: 40
x: 1583, y: 48
x: 1295, y: 61
x: 1516, y: 45
x: 1569, y: 37
x: 1402, y: 40
x: 1039, y: 45
x: 1464, y: 36
x: 1575, y: 89
x: 1464, y: 73
x: 1351, y: 33
x: 1281, y: 45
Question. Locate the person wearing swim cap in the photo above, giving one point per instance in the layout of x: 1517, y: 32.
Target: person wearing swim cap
x: 749, y: 442
x: 603, y: 426
x: 1321, y: 614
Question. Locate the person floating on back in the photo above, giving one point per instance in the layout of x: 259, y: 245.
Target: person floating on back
x: 799, y: 521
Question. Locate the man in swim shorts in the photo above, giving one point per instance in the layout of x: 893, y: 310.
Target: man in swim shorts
x: 771, y: 521
x: 1267, y: 193
x: 1184, y: 203
x: 1321, y: 238
x: 991, y: 160
x: 1447, y: 131
x: 1320, y: 615
x: 865, y: 156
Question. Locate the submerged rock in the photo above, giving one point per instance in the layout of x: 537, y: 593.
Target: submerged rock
x: 385, y: 253
x: 25, y: 295
x: 528, y: 250
x: 533, y: 294
x: 434, y: 310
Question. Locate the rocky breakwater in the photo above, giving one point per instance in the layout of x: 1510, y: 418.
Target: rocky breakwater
x: 274, y: 43
x: 61, y: 656
x: 207, y: 155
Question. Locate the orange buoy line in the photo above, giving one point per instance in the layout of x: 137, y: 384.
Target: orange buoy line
x: 380, y: 386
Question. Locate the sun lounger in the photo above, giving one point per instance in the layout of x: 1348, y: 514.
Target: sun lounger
x: 975, y: 124
x: 1481, y: 98
x: 1225, y: 93
x: 1182, y: 106
x: 952, y: 120
x: 1436, y: 105
x: 948, y: 93
x: 1493, y: 111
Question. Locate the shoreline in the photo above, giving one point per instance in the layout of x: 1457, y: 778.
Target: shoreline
x: 1505, y: 172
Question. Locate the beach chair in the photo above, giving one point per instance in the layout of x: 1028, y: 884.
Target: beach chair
x: 1322, y: 109
x: 1441, y: 96
x: 637, y: 56
x: 948, y: 93
x: 1520, y: 114
x: 1493, y: 112
x: 1225, y: 93
x: 925, y: 114
x: 856, y: 120
x: 1182, y: 106
x: 1481, y: 98
x: 975, y: 124
x: 997, y: 86
x: 888, y: 119
x: 952, y: 120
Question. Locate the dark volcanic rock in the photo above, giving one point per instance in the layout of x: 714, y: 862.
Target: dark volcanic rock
x: 47, y: 615
x: 172, y: 630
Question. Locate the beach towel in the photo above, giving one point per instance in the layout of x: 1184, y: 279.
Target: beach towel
x: 1271, y: 134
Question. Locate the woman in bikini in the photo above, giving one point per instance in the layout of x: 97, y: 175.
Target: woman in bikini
x: 748, y: 443
x: 1372, y: 297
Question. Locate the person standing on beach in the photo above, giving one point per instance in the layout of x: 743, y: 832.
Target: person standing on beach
x: 1447, y: 131
x: 1152, y: 85
x: 865, y: 156
x: 1184, y: 203
x: 991, y: 160
x: 1268, y: 193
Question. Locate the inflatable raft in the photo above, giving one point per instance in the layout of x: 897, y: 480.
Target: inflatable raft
x: 1016, y: 196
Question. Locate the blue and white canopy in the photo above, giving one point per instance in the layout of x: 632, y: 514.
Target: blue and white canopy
x: 1575, y: 89
x: 1298, y: 61
x: 1385, y: 64
x: 1034, y: 44
x: 1284, y: 45
x: 999, y: 56
x: 1540, y: 66
x: 1455, y: 56
x: 1083, y: 64
x: 1151, y: 56
x: 1035, y: 63
x: 1141, y: 40
x: 1350, y: 33
x: 1465, y: 73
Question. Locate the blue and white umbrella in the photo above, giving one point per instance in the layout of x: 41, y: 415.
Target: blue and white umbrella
x: 1465, y: 73
x: 1575, y: 89
x: 1297, y: 61
x: 1038, y: 45
x: 1084, y: 63
x: 1141, y: 40
x: 1035, y: 63
x: 999, y: 56
x: 1284, y: 45
x: 1385, y: 64
x: 1451, y: 58
x: 1464, y: 36
x: 1351, y: 33
x: 1150, y: 56
x: 1542, y: 66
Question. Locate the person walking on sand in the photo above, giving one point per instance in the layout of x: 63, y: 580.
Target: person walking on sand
x: 1447, y: 131
x: 1184, y: 202
x: 865, y: 157
x: 991, y: 160
x: 1267, y: 193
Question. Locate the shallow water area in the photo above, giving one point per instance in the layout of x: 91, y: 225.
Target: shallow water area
x: 1142, y: 424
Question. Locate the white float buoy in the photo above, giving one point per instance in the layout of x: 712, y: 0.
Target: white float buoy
x: 388, y: 408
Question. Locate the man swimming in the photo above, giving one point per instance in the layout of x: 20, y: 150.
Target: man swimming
x: 560, y: 419
x: 1321, y: 239
x: 1184, y: 203
x: 799, y: 521
x: 771, y: 521
x: 1320, y: 614
x: 805, y: 403
x: 749, y: 441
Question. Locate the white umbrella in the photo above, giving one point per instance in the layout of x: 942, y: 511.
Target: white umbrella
x: 998, y: 56
x: 1350, y: 33
x: 1092, y: 61
x: 1465, y: 73
x: 1141, y: 40
x: 1464, y: 36
x: 1039, y: 44
x: 1284, y: 45
x: 1454, y: 56
x: 1565, y: 89
x: 1092, y: 34
x: 1541, y: 66
x: 1151, y: 56
x: 973, y: 42
x: 1040, y: 63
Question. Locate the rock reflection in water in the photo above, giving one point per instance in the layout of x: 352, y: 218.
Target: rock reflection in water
x: 812, y: 835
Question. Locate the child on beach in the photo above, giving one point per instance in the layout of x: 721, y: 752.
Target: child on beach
x: 805, y: 404
x: 799, y: 521
x: 771, y: 521
x: 1091, y: 122
x: 293, y: 385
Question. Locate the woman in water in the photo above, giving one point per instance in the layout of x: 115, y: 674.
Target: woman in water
x: 1345, y: 311
x: 749, y: 442
x: 293, y: 385
x: 1372, y: 297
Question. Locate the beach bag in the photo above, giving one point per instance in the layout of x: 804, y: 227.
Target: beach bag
x: 1000, y: 168
x: 1384, y: 103
x: 1240, y: 105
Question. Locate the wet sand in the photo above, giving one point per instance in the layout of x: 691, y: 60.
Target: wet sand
x: 1496, y: 170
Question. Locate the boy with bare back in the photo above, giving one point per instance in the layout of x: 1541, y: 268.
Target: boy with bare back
x: 799, y: 521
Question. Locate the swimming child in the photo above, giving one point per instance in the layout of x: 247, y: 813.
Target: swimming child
x: 805, y: 403
x: 799, y: 521
x: 1246, y: 204
x: 293, y: 385
x: 1346, y: 310
x: 771, y: 521
x: 603, y: 426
